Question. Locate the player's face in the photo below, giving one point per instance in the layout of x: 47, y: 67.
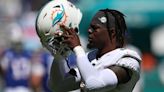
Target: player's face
x: 98, y: 35
x: 17, y: 46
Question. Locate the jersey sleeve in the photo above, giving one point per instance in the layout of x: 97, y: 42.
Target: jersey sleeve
x: 133, y: 67
x: 129, y: 63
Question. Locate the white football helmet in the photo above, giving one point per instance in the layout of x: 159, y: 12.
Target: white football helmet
x: 49, y: 19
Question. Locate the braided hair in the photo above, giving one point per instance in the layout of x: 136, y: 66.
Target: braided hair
x: 119, y: 25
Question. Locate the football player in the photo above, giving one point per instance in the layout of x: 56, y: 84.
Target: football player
x: 108, y: 68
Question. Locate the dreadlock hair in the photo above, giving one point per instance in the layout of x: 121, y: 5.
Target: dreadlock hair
x: 120, y: 26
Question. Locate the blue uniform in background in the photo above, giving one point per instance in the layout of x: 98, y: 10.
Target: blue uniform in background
x: 17, y: 68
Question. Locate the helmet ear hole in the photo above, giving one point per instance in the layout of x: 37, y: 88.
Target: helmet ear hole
x: 77, y: 30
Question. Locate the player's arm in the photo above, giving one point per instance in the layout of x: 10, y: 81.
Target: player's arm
x: 126, y: 69
x: 37, y: 73
x: 93, y: 78
x: 60, y: 80
x: 122, y: 73
x: 109, y: 77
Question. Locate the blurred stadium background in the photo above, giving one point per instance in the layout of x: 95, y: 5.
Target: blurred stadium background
x: 145, y: 21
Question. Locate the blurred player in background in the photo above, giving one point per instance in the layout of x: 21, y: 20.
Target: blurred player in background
x: 22, y: 70
x: 16, y: 63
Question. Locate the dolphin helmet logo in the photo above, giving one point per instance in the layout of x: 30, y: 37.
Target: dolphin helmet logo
x: 60, y: 14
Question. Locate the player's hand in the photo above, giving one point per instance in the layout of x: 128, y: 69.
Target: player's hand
x: 70, y: 37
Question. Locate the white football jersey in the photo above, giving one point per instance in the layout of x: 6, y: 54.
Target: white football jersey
x: 120, y: 57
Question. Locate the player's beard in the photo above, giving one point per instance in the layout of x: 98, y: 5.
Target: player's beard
x: 90, y: 46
